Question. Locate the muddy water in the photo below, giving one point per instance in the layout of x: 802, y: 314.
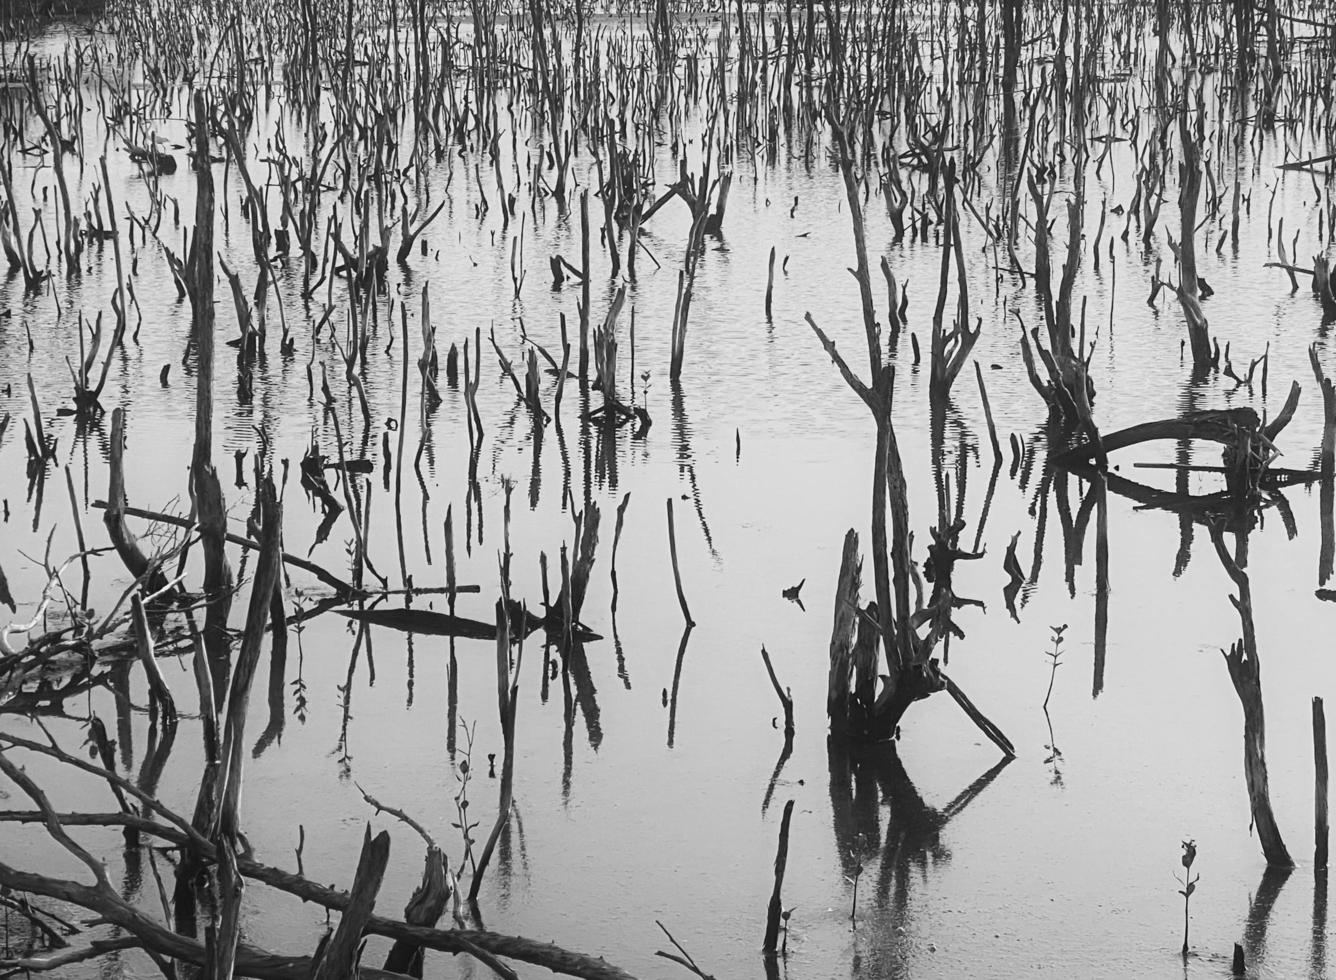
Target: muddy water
x: 645, y: 793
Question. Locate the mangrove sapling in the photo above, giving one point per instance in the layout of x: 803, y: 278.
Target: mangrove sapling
x: 853, y: 879
x: 1054, y: 656
x: 463, y: 774
x: 1189, y: 883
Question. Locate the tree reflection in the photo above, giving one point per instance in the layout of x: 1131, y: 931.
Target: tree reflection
x: 903, y: 843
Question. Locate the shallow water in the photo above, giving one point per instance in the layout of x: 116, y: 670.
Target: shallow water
x: 642, y: 794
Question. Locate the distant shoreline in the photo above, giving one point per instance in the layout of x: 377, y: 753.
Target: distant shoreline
x: 57, y: 8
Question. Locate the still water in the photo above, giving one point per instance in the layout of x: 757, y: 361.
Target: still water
x: 650, y: 790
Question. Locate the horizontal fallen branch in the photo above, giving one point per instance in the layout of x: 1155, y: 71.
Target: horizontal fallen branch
x: 267, y: 966
x: 329, y: 578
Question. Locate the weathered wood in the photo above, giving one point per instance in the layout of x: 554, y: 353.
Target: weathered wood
x: 1320, y: 826
x: 866, y: 646
x: 1245, y: 672
x: 126, y: 544
x: 979, y: 718
x: 5, y: 596
x: 785, y: 700
x: 1322, y: 285
x: 423, y: 909
x: 1189, y: 295
x: 231, y: 889
x: 583, y: 564
x: 205, y: 487
x: 339, y: 959
x: 616, y: 540
x: 333, y: 581
x: 770, y: 283
x: 988, y: 414
x: 265, y: 966
x: 1220, y: 425
x: 677, y: 575
x: 228, y: 793
x: 584, y: 285
x: 1327, y: 456
x: 1273, y: 428
x: 842, y: 633
x: 144, y: 647
x: 950, y: 348
x: 427, y: 622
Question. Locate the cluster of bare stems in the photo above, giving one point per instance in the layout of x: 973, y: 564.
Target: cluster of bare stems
x: 380, y: 92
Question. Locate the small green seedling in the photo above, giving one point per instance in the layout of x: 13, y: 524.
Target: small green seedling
x: 858, y: 873
x: 1055, y: 659
x: 1189, y: 884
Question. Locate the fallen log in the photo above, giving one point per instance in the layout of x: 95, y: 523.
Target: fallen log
x: 1211, y: 426
x: 1248, y: 444
x: 333, y: 581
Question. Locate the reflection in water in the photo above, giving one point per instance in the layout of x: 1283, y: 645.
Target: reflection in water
x: 1317, y: 949
x: 784, y: 754
x: 686, y: 461
x: 677, y: 676
x: 1259, y: 914
x: 864, y: 779
x: 119, y: 676
x: 1094, y: 503
x: 161, y: 738
x: 536, y: 471
x: 987, y: 504
x: 278, y: 663
x: 341, y: 752
x: 1101, y: 582
x: 1182, y: 459
x: 586, y: 695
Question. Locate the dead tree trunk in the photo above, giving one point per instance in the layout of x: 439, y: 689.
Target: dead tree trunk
x: 1189, y: 294
x: 871, y: 706
x: 127, y: 545
x: 207, y: 491
x: 1246, y: 672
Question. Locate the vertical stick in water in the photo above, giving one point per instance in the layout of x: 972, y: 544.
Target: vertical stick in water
x: 450, y: 556
x: 158, y: 689
x: 616, y: 540
x: 770, y: 282
x: 677, y: 576
x: 584, y: 285
x: 79, y: 534
x: 206, y: 489
x: 1320, y: 829
x: 399, y: 461
x: 507, y: 698
x: 988, y: 413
